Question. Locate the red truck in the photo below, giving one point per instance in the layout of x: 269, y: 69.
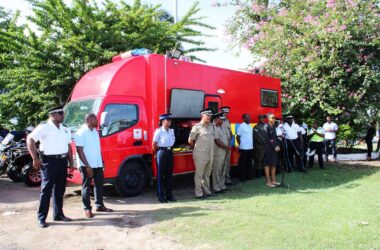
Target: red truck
x: 128, y: 95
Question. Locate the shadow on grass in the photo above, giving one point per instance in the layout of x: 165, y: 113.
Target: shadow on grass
x: 316, y: 180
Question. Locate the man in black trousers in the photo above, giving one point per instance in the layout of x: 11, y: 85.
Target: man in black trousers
x: 55, y: 150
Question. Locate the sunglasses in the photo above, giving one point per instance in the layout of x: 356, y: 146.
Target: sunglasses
x: 272, y: 117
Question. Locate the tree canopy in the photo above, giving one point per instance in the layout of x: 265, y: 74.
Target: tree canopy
x: 39, y: 67
x: 326, y: 53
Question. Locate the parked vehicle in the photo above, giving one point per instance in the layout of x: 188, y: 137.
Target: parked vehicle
x: 18, y: 161
x: 5, y: 152
x: 128, y: 95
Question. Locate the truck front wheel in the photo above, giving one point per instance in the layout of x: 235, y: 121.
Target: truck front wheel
x: 131, y: 180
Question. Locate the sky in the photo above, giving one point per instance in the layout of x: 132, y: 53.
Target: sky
x: 217, y: 16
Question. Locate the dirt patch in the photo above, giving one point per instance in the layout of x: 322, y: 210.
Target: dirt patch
x: 129, y: 227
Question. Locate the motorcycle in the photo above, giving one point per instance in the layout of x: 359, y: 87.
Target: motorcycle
x: 5, y: 152
x: 20, y: 166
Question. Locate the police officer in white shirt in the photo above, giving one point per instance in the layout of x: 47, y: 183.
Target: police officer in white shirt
x: 55, y: 139
x: 330, y: 128
x: 163, y: 141
x: 294, y: 142
x: 245, y: 139
x: 90, y: 164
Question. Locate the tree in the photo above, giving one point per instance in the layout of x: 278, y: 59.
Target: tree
x: 70, y: 40
x: 325, y: 52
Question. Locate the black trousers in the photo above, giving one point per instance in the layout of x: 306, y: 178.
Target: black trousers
x: 245, y: 164
x: 53, y: 181
x: 318, y: 147
x: 98, y: 178
x: 294, y: 146
x: 164, y: 174
x: 369, y: 147
x: 304, y: 149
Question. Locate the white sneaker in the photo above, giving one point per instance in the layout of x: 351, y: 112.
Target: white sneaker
x: 310, y: 153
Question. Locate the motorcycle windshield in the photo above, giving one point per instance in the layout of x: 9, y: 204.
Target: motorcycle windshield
x: 7, y: 139
x: 76, y: 111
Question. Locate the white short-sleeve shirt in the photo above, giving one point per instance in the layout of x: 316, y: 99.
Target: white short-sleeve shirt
x: 164, y: 138
x: 291, y: 131
x: 246, y: 138
x: 53, y: 140
x: 89, y: 140
x: 330, y: 126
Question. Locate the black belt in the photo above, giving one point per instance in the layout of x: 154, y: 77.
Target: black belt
x: 165, y: 148
x: 55, y: 156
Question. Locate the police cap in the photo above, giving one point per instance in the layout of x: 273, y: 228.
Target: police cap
x: 167, y: 116
x: 55, y: 110
x: 225, y: 109
x: 206, y: 112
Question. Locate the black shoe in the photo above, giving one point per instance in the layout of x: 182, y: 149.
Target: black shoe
x: 162, y: 200
x: 172, y: 199
x: 322, y: 167
x: 226, y: 190
x: 302, y: 170
x: 201, y: 197
x: 62, y: 218
x: 211, y: 194
x: 42, y: 224
x: 228, y: 184
x: 219, y: 192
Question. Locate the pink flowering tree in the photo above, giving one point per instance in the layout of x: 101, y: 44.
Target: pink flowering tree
x: 326, y: 53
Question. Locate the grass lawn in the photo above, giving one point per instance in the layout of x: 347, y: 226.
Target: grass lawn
x: 337, y: 208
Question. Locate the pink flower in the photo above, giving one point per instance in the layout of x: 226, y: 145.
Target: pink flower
x: 283, y: 12
x: 308, y: 19
x: 330, y: 4
x: 257, y: 8
x: 349, y: 70
x: 350, y: 3
x: 343, y: 27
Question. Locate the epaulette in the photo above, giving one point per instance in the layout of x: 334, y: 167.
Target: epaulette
x: 64, y: 125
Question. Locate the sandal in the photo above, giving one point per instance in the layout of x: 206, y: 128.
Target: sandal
x: 276, y: 183
x: 271, y: 185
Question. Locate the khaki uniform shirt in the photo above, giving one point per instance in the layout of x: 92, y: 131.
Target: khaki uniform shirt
x: 227, y: 125
x: 221, y: 133
x: 204, y: 139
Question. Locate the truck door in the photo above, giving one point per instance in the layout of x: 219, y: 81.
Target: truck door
x: 213, y: 102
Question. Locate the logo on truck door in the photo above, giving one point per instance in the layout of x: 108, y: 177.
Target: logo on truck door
x: 137, y: 134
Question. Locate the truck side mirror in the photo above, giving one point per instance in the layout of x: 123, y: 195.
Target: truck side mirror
x: 104, y: 120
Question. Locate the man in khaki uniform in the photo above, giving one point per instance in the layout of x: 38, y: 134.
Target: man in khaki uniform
x: 221, y: 148
x: 201, y: 139
x: 227, y: 125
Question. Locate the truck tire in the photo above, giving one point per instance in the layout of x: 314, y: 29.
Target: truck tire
x: 131, y: 180
x: 30, y: 176
x: 14, y: 174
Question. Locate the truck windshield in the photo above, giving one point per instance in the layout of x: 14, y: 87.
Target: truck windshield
x: 76, y: 111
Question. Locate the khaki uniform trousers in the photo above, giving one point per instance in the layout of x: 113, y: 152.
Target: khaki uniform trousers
x: 203, y: 168
x: 219, y: 172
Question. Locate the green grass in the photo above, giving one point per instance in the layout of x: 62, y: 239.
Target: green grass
x: 338, y: 208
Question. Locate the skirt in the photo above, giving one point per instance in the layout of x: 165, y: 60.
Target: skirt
x: 270, y: 157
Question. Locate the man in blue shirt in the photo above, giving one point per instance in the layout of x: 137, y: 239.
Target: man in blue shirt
x: 245, y: 139
x: 90, y: 164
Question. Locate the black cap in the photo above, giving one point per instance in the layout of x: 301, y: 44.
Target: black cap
x: 167, y: 116
x: 225, y: 109
x: 261, y: 116
x: 55, y: 110
x: 218, y: 115
x: 206, y: 112
x: 289, y: 116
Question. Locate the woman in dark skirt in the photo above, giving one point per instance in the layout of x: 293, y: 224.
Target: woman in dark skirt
x: 271, y: 153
